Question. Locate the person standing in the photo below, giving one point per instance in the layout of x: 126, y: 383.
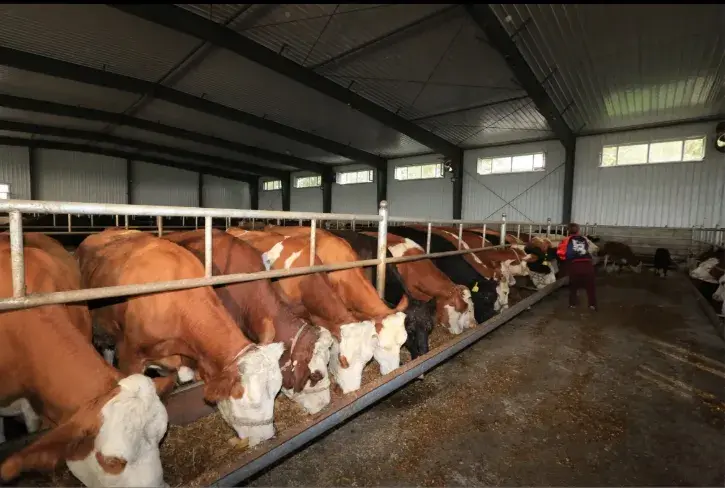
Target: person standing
x: 574, y: 252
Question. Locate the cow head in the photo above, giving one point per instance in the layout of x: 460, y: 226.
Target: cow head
x: 455, y: 312
x: 419, y: 322
x: 305, y: 378
x: 703, y: 271
x: 719, y: 294
x: 114, y: 441
x: 245, y: 392
x: 484, y: 294
x: 349, y: 356
x: 515, y: 267
x: 502, y: 294
x: 391, y: 337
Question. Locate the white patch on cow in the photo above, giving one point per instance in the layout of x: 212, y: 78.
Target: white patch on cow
x: 593, y: 248
x: 185, y: 374
x: 502, y: 296
x: 554, y: 266
x: 463, y: 246
x: 269, y: 257
x: 132, y: 425
x: 109, y: 355
x: 315, y: 398
x: 518, y: 246
x: 517, y: 267
x: 357, y: 345
x: 468, y: 318
x: 400, y: 249
x: 19, y: 407
x: 252, y: 415
x: 391, y: 338
x: 702, y: 272
x: 541, y: 280
x: 719, y: 294
x: 291, y: 259
x: 638, y: 268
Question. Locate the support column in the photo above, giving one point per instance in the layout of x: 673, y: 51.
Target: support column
x: 381, y: 179
x: 457, y: 164
x: 129, y: 181
x: 201, y: 190
x: 328, y: 178
x: 32, y: 173
x: 254, y: 194
x: 286, y: 192
x: 569, y: 156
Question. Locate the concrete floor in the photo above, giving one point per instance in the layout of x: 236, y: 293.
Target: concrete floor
x: 631, y: 395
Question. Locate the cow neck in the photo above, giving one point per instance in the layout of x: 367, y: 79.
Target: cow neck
x: 424, y: 277
x: 319, y: 297
x: 65, y: 372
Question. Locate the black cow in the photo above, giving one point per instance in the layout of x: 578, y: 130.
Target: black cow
x: 419, y: 316
x: 662, y: 261
x: 484, y: 295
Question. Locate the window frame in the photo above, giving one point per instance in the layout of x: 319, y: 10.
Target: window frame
x: 441, y: 171
x: 649, y: 144
x: 511, y: 157
x: 5, y: 192
x: 371, y: 177
x: 264, y: 185
x: 317, y: 179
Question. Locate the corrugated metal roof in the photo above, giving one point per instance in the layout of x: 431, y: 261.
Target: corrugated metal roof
x: 629, y: 65
x: 217, y: 12
x: 93, y: 35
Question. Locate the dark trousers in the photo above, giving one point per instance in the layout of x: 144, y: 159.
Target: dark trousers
x: 581, y: 275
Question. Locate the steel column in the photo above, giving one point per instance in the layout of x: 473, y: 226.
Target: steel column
x: 381, y: 180
x: 457, y: 179
x: 254, y: 194
x: 286, y: 190
x: 328, y: 176
x: 569, y: 158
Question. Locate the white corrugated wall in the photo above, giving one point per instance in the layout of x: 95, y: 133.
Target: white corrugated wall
x: 15, y: 171
x: 79, y: 177
x: 533, y: 196
x: 224, y: 193
x: 269, y: 200
x: 355, y: 199
x: 152, y: 184
x: 656, y: 195
x: 419, y: 198
x: 304, y: 199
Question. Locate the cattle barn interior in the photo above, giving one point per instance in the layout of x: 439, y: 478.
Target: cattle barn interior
x: 330, y: 244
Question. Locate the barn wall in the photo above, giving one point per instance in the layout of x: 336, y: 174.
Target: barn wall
x: 161, y: 185
x: 15, y: 171
x: 269, y: 200
x: 355, y: 199
x: 224, y: 193
x: 672, y: 194
x: 304, y: 199
x: 533, y: 196
x: 79, y: 177
x: 419, y: 198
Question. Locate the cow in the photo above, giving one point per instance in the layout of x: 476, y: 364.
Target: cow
x: 710, y: 270
x: 620, y: 254
x: 264, y: 318
x: 423, y: 281
x: 719, y: 294
x: 542, y: 269
x: 162, y: 329
x: 106, y: 426
x: 662, y: 261
x: 488, y: 294
x: 314, y: 296
x: 359, y: 295
x: 419, y: 316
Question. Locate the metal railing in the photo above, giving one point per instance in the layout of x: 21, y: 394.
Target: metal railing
x: 705, y: 237
x: 20, y: 299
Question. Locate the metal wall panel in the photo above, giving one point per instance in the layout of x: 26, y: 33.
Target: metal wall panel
x: 269, y: 200
x: 672, y: 194
x: 359, y: 198
x: 305, y: 199
x: 224, y: 193
x: 15, y: 171
x: 160, y: 185
x: 80, y: 177
x: 419, y: 198
x: 533, y: 196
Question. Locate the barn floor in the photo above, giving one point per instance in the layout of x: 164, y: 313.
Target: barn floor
x: 631, y: 395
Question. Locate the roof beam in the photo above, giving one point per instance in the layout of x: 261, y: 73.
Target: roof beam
x: 213, y: 161
x: 484, y: 16
x: 114, y: 153
x: 180, y: 20
x: 83, y: 74
x: 59, y: 109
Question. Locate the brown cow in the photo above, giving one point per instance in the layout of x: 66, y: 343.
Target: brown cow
x: 354, y: 340
x: 454, y: 307
x: 359, y: 295
x: 106, y: 427
x: 161, y: 328
x: 620, y: 254
x: 263, y: 317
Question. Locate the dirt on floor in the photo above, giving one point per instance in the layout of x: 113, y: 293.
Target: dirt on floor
x: 633, y: 394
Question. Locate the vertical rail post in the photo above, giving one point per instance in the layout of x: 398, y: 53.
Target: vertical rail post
x: 70, y: 226
x: 125, y: 221
x: 54, y: 220
x: 160, y: 225
x: 483, y: 236
x: 229, y: 222
x: 91, y: 221
x: 548, y: 227
x: 382, y: 246
x: 353, y: 225
x: 531, y: 231
x: 17, y: 260
x: 503, y: 230
x: 518, y: 231
x: 427, y: 238
x: 460, y: 235
x: 313, y: 240
x: 117, y: 221
x: 207, y: 247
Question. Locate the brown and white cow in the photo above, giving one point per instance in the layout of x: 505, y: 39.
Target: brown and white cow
x: 314, y: 295
x: 620, y: 254
x: 105, y: 426
x: 241, y: 377
x: 263, y: 317
x: 359, y: 295
x: 710, y: 266
x: 454, y: 307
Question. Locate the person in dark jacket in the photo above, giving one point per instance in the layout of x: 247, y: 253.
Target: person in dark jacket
x: 574, y: 252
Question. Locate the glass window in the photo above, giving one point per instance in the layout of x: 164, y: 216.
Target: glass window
x: 419, y: 172
x: 674, y: 151
x: 272, y: 185
x: 308, y: 181
x: 512, y: 164
x: 355, y: 177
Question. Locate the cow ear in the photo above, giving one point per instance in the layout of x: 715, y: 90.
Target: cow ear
x: 227, y: 385
x: 60, y: 443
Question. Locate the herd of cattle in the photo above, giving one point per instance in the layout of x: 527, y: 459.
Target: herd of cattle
x: 245, y: 341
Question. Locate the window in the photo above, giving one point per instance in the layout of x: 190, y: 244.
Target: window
x: 308, y: 181
x: 511, y: 164
x: 354, y: 177
x: 690, y: 149
x: 419, y: 172
x: 272, y: 185
x: 4, y: 191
